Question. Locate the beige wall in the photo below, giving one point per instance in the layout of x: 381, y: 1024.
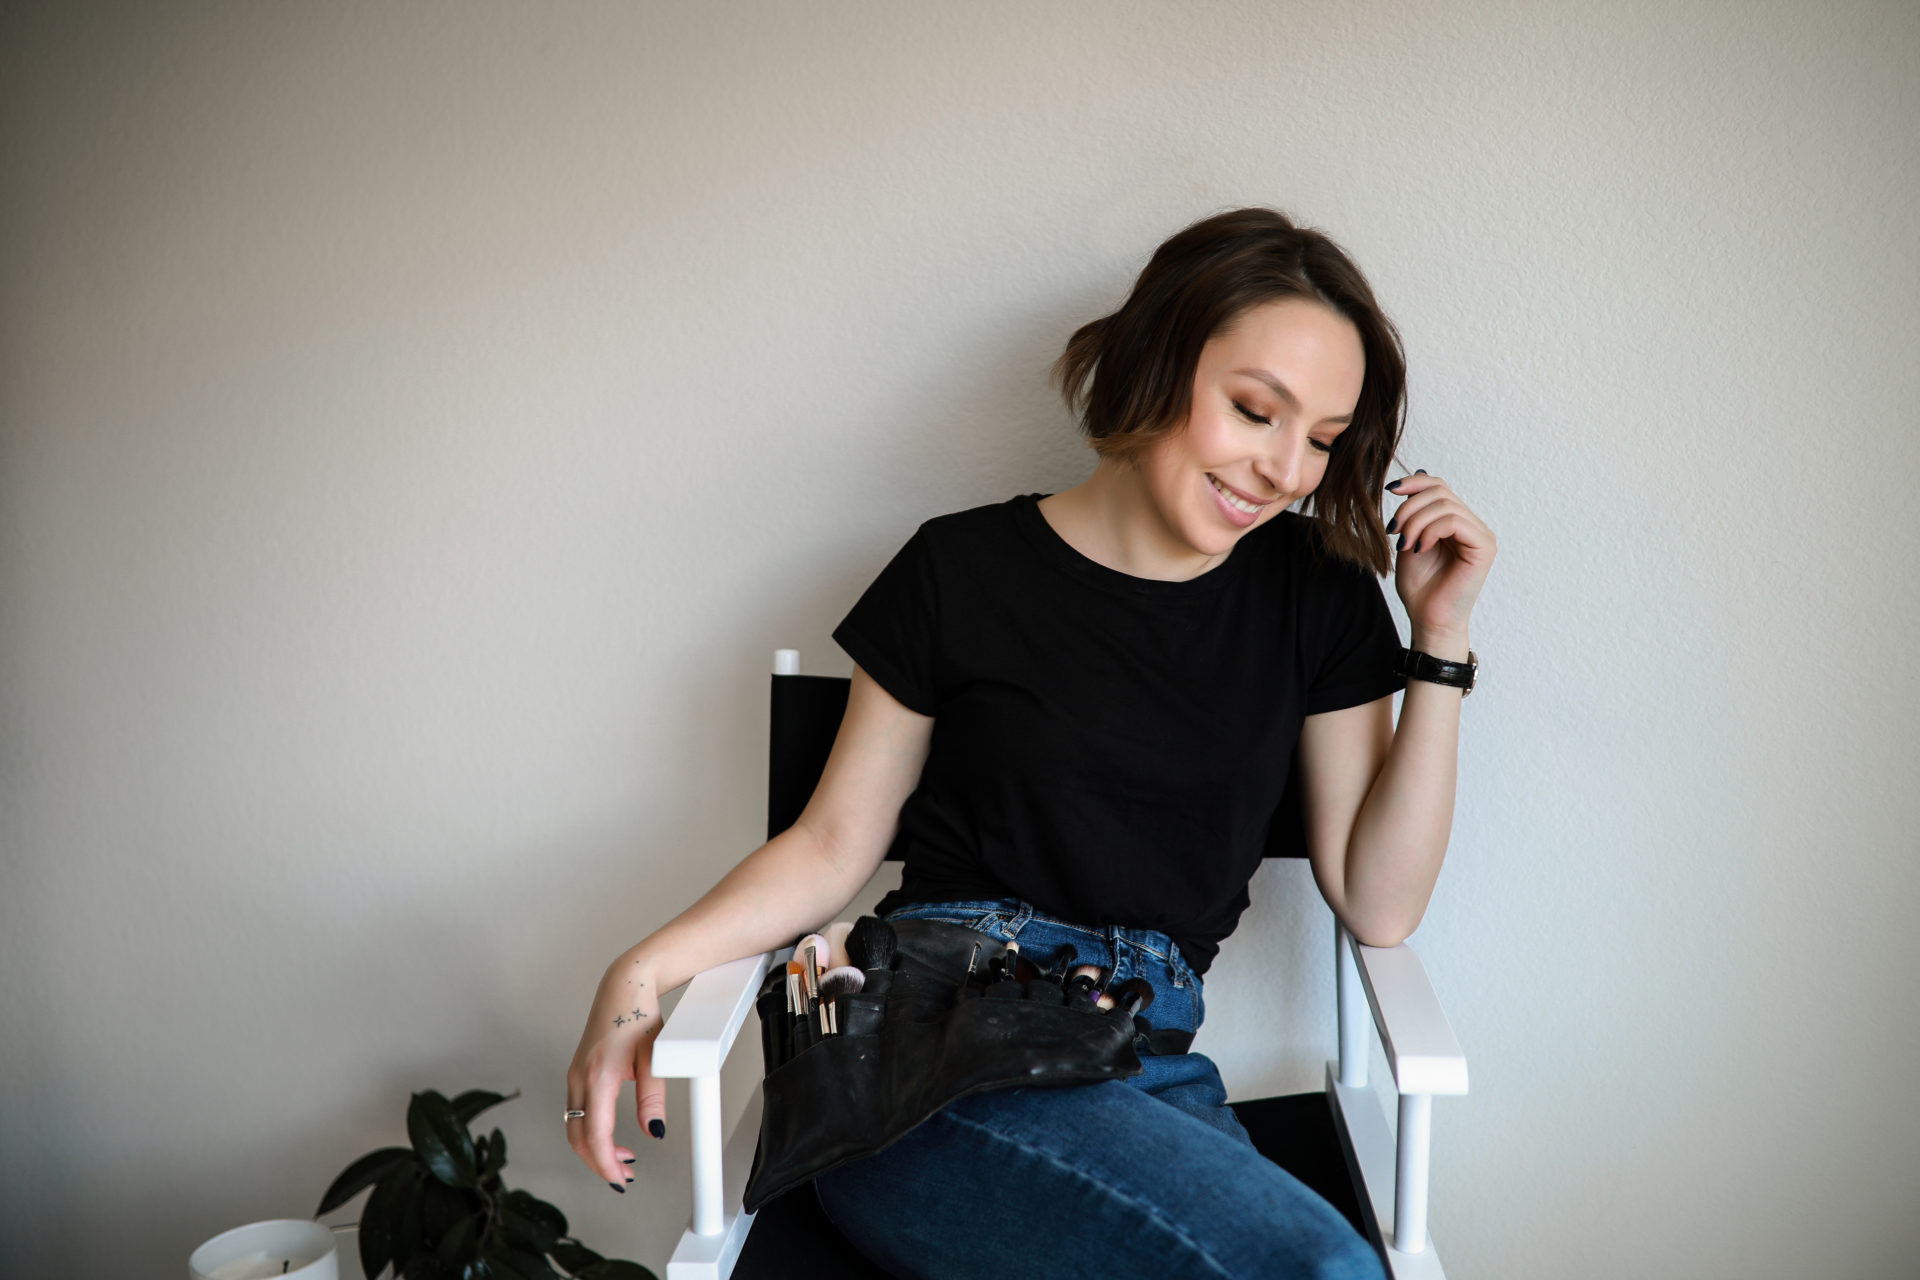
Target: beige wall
x: 418, y: 424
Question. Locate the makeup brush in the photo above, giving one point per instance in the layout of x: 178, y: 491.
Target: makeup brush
x: 836, y: 936
x: 1133, y: 996
x: 812, y: 951
x: 1062, y: 962
x: 1083, y: 984
x: 844, y: 981
x: 871, y: 944
x: 797, y: 1000
x: 1007, y: 965
x: 1005, y: 986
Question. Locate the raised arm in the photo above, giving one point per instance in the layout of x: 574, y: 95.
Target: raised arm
x: 1378, y: 798
x: 794, y: 883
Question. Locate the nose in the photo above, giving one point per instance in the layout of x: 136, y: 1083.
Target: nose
x: 1284, y: 463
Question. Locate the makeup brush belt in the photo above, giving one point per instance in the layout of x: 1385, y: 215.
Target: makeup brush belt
x: 917, y: 1036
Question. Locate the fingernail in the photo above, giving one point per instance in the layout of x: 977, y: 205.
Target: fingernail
x: 657, y: 1127
x: 1402, y: 544
x: 1393, y: 524
x: 617, y: 1187
x: 629, y: 1180
x: 1421, y: 472
x: 629, y: 1160
x: 1392, y: 485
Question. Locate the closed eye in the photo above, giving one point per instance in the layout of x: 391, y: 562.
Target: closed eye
x: 1251, y: 416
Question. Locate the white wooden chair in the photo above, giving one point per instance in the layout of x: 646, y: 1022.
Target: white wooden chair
x: 1382, y: 989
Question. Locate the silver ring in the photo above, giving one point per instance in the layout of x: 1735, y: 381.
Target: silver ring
x: 574, y: 1115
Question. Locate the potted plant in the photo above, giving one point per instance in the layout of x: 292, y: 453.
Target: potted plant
x: 439, y: 1211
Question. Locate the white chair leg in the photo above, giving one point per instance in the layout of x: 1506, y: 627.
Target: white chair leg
x: 1410, y: 1173
x: 708, y: 1195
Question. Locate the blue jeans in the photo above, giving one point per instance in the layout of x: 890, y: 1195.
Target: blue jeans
x: 1148, y: 1177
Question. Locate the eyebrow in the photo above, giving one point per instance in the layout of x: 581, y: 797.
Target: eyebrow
x: 1280, y: 389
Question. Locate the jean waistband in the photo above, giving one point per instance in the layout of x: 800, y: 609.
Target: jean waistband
x: 1014, y: 914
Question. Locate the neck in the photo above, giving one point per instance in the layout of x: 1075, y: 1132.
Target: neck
x: 1110, y: 519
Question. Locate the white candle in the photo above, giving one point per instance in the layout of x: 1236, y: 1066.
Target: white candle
x: 266, y: 1251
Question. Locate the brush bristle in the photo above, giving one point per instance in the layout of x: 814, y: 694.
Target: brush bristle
x: 1138, y: 988
x: 871, y: 944
x: 841, y: 982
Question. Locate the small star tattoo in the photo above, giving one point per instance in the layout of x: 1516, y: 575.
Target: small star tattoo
x: 636, y: 1015
x: 619, y: 1021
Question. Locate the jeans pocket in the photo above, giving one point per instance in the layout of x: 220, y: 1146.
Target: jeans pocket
x: 1184, y: 974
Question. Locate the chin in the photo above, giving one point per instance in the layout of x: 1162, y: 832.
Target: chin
x: 1210, y: 539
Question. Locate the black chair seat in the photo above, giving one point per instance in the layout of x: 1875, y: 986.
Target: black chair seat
x: 792, y: 1239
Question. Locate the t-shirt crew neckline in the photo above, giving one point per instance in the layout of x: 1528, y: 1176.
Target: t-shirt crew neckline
x: 1060, y: 553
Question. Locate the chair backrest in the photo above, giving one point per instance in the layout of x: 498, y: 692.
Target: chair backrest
x: 806, y: 714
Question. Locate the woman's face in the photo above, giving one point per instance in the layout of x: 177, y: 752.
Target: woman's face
x: 1270, y: 395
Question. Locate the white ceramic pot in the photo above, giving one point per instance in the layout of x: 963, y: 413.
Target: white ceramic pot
x: 267, y: 1251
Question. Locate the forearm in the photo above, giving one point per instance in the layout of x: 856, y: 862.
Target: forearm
x: 1400, y: 834
x: 781, y: 890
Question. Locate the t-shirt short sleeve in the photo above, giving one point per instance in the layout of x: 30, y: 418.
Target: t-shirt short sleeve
x: 891, y: 630
x: 1357, y: 644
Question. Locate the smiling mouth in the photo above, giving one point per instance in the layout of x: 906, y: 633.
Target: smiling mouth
x: 1234, y: 500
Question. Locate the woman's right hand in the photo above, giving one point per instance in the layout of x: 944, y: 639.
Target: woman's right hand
x: 616, y: 1046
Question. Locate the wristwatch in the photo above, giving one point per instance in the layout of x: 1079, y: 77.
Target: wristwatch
x: 1415, y: 665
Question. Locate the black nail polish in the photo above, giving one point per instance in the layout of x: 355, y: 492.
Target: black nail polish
x: 629, y: 1160
x: 617, y: 1187
x: 657, y: 1127
x: 1421, y: 472
x: 1402, y: 544
x: 1392, y: 485
x: 1393, y: 524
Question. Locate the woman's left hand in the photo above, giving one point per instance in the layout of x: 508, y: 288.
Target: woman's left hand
x: 1444, y: 554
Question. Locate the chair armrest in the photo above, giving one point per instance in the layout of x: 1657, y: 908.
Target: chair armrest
x: 1421, y: 1048
x: 700, y: 1031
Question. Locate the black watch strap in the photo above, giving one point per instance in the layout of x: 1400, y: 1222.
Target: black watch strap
x: 1415, y: 665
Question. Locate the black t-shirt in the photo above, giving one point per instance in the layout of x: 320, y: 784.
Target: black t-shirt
x: 1106, y: 747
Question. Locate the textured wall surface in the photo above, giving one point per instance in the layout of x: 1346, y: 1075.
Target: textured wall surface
x: 418, y: 424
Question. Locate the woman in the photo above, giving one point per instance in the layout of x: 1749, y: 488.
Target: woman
x: 1073, y: 714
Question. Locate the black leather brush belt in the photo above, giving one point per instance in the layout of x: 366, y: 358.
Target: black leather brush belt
x: 938, y: 1016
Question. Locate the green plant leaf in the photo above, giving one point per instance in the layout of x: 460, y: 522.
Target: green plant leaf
x: 380, y: 1219
x: 461, y: 1243
x: 476, y: 1270
x: 442, y: 1208
x: 616, y: 1269
x: 425, y: 1266
x: 573, y: 1255
x: 501, y: 1268
x: 410, y: 1237
x: 523, y: 1233
x: 517, y: 1264
x: 474, y: 1101
x: 495, y: 1156
x: 550, y: 1218
x: 360, y: 1175
x: 442, y: 1141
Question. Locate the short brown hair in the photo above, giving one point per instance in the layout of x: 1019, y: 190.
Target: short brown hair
x: 1128, y: 377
